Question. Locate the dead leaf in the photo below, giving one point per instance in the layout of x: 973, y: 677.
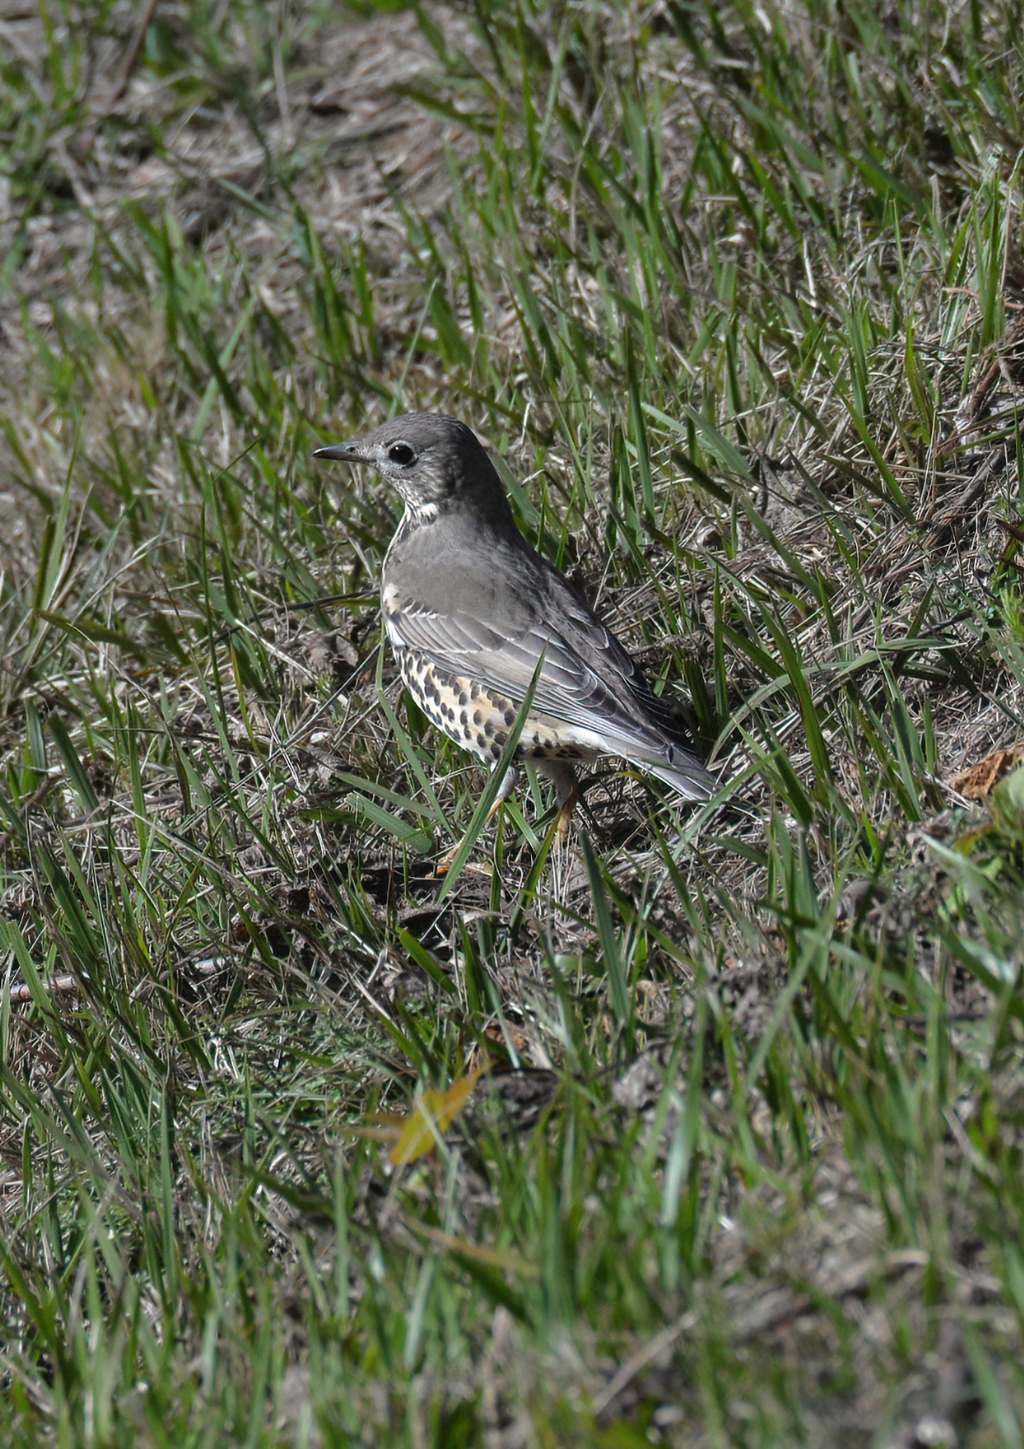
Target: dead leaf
x: 978, y: 781
x: 433, y: 1113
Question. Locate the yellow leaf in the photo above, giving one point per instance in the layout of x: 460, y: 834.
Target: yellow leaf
x: 434, y: 1111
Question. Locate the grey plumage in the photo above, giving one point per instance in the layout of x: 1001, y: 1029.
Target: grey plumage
x: 466, y: 598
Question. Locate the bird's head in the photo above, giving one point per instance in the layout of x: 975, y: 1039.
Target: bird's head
x: 433, y: 461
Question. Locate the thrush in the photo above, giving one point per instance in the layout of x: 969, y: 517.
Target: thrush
x: 475, y: 616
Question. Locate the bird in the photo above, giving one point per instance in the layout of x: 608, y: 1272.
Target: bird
x: 475, y: 616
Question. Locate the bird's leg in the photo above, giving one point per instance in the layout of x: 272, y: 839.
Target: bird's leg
x: 563, y: 777
x: 505, y: 789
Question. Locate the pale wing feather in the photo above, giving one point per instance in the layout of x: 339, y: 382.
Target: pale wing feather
x: 567, y: 689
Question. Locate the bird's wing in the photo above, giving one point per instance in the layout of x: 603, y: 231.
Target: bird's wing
x: 586, y: 678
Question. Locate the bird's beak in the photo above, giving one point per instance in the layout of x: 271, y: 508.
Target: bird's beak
x: 343, y: 452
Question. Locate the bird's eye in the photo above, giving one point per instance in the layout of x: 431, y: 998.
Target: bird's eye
x: 401, y: 454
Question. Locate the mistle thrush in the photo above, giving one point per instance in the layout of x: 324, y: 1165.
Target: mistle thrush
x: 471, y: 610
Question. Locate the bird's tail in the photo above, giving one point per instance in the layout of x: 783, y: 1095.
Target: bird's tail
x: 683, y: 772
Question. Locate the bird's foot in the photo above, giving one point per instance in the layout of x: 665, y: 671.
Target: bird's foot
x: 472, y: 867
x: 444, y: 865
